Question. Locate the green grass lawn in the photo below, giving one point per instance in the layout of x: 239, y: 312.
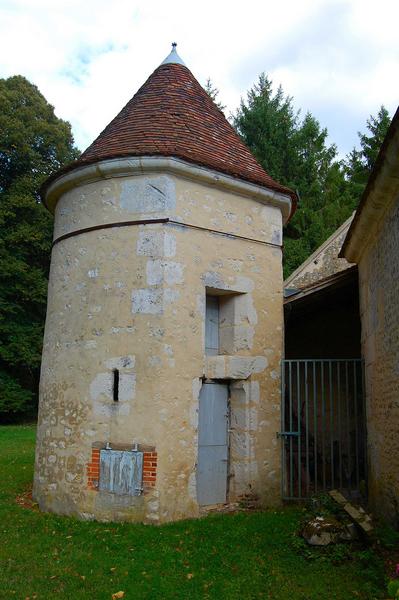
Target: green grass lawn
x: 243, y: 556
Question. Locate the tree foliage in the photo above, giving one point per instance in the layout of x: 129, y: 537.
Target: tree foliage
x: 213, y: 93
x: 33, y: 143
x: 296, y: 153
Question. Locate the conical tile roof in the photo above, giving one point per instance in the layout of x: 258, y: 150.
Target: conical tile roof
x: 171, y: 115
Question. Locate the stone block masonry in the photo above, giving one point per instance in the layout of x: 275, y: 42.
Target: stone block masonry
x: 124, y: 351
x: 149, y: 223
x: 379, y: 291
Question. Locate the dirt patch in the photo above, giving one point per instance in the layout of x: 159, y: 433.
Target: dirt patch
x: 26, y: 501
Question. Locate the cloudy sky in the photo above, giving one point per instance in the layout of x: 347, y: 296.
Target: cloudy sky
x: 337, y: 58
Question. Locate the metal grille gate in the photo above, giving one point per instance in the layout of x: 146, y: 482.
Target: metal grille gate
x: 322, y: 427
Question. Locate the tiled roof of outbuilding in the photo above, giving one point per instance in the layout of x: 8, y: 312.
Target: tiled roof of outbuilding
x: 172, y: 115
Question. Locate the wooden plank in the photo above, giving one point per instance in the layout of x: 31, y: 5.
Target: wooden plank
x: 357, y: 514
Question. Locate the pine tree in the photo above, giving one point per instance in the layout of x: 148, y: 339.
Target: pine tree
x: 213, y: 93
x: 267, y: 123
x: 295, y: 153
x: 359, y: 163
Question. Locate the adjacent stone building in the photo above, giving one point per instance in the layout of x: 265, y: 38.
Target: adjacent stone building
x: 321, y: 304
x: 342, y: 304
x: 160, y: 383
x: 324, y: 262
x: 323, y: 382
x: 372, y: 243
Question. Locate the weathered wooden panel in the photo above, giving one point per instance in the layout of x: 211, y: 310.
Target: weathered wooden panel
x: 121, y: 472
x: 212, y: 444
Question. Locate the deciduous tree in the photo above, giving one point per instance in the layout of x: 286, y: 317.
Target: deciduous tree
x: 33, y: 143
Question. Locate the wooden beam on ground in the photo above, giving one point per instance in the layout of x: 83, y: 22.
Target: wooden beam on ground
x: 357, y: 514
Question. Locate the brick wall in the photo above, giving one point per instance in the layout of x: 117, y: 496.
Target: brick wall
x: 150, y: 459
x: 149, y: 470
x: 93, y: 469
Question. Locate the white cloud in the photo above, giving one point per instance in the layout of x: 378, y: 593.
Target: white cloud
x: 336, y: 57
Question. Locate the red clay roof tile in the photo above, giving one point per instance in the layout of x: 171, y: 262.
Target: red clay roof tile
x: 172, y: 115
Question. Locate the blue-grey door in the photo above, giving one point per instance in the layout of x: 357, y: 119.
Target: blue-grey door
x: 212, y: 444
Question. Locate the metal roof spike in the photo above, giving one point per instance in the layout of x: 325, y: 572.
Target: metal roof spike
x: 173, y: 57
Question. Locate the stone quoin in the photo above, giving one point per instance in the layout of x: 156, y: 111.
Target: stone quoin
x: 160, y: 381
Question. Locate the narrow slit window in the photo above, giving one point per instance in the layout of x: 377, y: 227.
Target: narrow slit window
x: 212, y: 325
x: 116, y: 385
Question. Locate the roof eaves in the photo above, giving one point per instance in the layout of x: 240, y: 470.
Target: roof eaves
x: 323, y: 284
x: 83, y: 163
x: 319, y: 251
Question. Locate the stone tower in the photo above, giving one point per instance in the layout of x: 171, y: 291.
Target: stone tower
x: 160, y: 390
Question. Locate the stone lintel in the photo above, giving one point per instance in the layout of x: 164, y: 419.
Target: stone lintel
x: 233, y: 367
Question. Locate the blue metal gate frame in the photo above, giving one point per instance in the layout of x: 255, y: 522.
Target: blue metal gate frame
x: 323, y: 427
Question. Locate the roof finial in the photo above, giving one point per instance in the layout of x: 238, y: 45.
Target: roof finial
x: 173, y: 57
